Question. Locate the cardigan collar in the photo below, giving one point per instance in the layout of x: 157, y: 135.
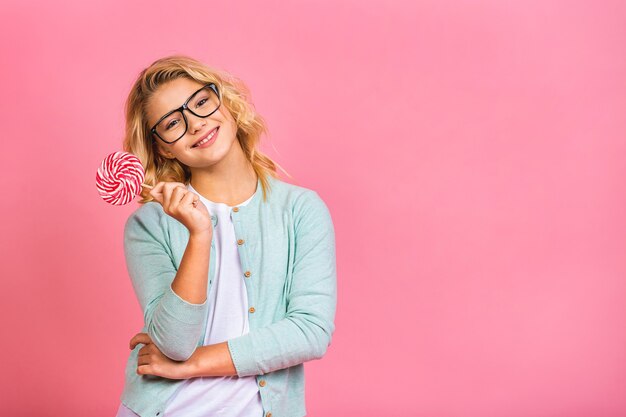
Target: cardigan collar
x: 253, y: 204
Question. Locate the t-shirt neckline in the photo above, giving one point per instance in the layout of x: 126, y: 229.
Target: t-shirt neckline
x: 223, y: 205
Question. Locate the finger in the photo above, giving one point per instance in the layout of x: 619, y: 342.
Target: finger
x: 177, y: 195
x: 167, y: 193
x: 157, y: 192
x: 147, y: 348
x: 144, y: 370
x: 144, y: 360
x: 189, y: 200
x: 139, y: 338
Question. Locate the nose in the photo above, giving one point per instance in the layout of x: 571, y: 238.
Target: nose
x: 195, y: 123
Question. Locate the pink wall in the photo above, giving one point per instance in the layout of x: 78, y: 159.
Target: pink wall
x: 473, y: 156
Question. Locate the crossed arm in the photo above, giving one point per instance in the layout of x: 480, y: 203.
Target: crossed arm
x: 210, y: 360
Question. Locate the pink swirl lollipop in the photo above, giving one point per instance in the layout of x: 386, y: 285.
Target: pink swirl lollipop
x: 120, y: 178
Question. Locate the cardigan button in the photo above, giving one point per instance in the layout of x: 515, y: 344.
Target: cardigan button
x: 262, y: 382
x: 235, y: 209
x: 247, y: 274
x: 268, y: 414
x: 251, y: 310
x: 240, y: 242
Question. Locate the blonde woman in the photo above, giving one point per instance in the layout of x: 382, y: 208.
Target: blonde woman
x: 234, y: 269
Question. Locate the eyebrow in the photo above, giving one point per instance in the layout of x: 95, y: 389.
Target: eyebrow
x: 170, y: 110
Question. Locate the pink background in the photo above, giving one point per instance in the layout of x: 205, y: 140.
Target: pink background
x: 472, y: 154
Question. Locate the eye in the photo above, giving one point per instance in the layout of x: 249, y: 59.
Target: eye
x: 170, y: 124
x: 201, y: 102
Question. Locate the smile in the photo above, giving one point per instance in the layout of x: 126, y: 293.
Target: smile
x: 208, y: 140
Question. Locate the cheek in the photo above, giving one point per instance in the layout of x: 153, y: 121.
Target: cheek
x: 162, y: 151
x: 227, y: 136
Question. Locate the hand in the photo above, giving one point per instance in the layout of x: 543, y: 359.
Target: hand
x: 150, y: 360
x: 183, y: 205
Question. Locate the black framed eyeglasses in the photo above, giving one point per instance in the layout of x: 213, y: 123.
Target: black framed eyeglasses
x: 173, y: 125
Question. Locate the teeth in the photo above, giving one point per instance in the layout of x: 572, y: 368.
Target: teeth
x: 208, y: 138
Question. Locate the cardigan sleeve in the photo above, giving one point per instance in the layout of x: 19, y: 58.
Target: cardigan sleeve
x: 306, y: 331
x: 174, y: 325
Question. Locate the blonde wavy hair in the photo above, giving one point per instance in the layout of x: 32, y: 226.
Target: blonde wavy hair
x: 235, y: 95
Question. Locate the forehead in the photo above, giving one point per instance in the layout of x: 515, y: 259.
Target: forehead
x: 169, y: 96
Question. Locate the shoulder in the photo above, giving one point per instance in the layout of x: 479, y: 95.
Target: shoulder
x: 148, y: 217
x: 294, y: 196
x: 147, y: 211
x: 306, y: 204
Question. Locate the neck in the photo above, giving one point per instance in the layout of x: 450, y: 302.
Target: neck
x: 231, y: 181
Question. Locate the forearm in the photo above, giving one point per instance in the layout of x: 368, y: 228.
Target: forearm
x: 212, y: 360
x: 290, y: 345
x: 190, y: 282
x: 295, y: 339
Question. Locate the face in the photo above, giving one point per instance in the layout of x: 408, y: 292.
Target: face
x: 172, y: 95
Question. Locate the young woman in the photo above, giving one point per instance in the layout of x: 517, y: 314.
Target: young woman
x: 234, y: 269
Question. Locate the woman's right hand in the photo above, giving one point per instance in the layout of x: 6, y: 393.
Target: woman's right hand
x: 178, y: 202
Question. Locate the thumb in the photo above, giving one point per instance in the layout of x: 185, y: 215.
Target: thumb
x: 157, y: 192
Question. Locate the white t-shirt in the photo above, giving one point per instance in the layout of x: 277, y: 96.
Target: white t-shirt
x: 221, y: 396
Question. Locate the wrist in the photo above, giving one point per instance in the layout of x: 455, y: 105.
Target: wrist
x: 201, y: 237
x: 193, y: 367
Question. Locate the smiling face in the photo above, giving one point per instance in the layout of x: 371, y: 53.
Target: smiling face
x: 172, y: 95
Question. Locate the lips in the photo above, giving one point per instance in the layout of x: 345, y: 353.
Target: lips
x: 205, y: 136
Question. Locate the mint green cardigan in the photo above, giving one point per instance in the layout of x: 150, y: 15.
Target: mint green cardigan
x: 288, y: 245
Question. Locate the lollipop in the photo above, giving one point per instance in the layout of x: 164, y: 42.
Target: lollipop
x: 120, y: 177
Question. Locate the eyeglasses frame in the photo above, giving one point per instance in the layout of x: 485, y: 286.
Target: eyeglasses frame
x: 184, y: 107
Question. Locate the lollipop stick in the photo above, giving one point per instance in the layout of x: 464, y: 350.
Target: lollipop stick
x: 147, y: 186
